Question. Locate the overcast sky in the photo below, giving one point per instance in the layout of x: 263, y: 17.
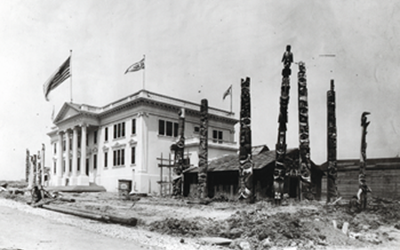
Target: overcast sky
x: 195, y: 50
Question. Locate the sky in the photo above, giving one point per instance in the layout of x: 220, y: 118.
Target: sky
x: 197, y: 49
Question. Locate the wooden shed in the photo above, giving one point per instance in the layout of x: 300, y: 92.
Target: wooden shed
x: 223, y: 176
x: 383, y: 177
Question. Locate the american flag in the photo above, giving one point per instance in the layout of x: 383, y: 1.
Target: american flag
x: 59, y: 76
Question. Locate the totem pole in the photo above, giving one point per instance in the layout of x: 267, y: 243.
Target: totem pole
x: 27, y: 160
x: 304, y: 159
x: 39, y: 170
x: 203, y: 150
x: 332, y: 192
x: 34, y: 165
x: 280, y: 147
x: 363, y: 188
x: 245, y: 158
x: 178, y: 148
x: 43, y: 163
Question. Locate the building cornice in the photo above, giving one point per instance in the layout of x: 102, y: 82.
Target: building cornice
x: 164, y: 106
x: 138, y: 99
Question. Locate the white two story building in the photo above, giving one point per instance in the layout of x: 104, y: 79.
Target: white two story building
x: 125, y: 139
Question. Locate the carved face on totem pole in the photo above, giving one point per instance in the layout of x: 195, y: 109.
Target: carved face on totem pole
x: 332, y: 171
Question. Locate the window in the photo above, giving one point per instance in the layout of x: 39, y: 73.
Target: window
x: 64, y: 145
x: 55, y: 167
x: 70, y: 165
x: 217, y: 136
x: 55, y: 148
x: 95, y: 161
x: 161, y: 124
x: 106, y: 134
x: 167, y: 128
x: 70, y: 143
x: 87, y: 139
x: 119, y: 130
x: 196, y: 129
x: 133, y: 126
x: 95, y: 137
x: 87, y: 166
x: 79, y: 140
x: 63, y: 166
x: 133, y: 155
x: 176, y: 127
x: 79, y: 164
x: 119, y: 157
x: 105, y: 159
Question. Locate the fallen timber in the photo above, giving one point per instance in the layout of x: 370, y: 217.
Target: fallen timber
x: 130, y: 221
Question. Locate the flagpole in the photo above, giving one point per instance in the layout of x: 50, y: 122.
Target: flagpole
x: 70, y: 71
x: 144, y: 70
x: 231, y: 97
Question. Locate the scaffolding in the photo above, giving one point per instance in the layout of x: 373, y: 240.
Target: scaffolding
x: 166, y: 166
x: 165, y: 183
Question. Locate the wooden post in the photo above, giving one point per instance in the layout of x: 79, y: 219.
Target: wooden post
x: 43, y: 163
x: 203, y: 150
x: 332, y: 193
x: 161, y: 176
x: 27, y: 168
x: 306, y: 186
x: 246, y: 190
x: 179, y: 149
x: 39, y: 170
x: 169, y: 175
x: 363, y: 188
x: 34, y: 163
x: 280, y: 147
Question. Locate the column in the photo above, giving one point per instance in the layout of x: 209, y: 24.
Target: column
x: 83, y: 179
x: 59, y: 158
x: 141, y: 175
x: 67, y: 166
x: 74, y: 156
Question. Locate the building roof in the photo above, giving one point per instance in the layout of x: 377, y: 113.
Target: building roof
x: 143, y: 96
x: 255, y: 150
x: 231, y: 162
x: 352, y: 164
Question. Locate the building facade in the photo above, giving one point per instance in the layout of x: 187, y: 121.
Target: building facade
x: 122, y: 141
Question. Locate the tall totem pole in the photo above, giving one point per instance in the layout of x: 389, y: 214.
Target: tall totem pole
x: 28, y: 165
x: 332, y: 192
x: 363, y: 188
x: 178, y: 149
x: 305, y: 162
x: 280, y: 147
x: 203, y: 150
x: 39, y: 169
x: 43, y: 163
x: 34, y: 165
x: 246, y: 190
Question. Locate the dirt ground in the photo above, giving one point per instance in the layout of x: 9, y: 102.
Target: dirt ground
x: 294, y: 225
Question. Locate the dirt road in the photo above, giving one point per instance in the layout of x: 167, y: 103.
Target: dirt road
x: 20, y: 230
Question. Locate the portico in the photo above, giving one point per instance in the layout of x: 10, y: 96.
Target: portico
x: 72, y: 152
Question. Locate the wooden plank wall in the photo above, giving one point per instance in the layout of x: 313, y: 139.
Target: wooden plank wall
x: 385, y: 183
